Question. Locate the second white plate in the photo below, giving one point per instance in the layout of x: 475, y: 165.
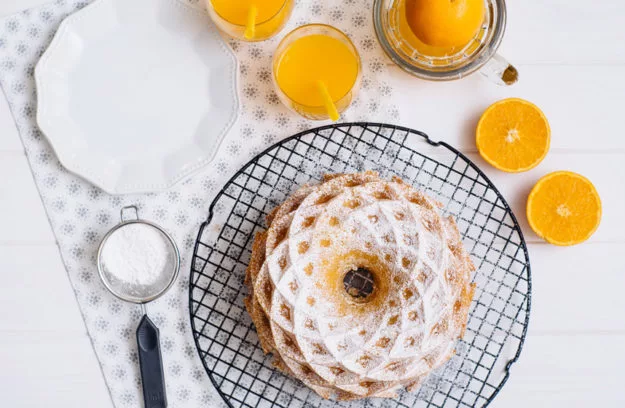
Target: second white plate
x: 135, y: 96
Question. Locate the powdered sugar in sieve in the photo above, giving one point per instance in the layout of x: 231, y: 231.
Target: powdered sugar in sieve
x: 138, y: 261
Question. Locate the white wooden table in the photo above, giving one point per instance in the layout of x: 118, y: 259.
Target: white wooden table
x: 571, y: 55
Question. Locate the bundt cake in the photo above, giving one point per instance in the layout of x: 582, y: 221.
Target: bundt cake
x: 359, y: 286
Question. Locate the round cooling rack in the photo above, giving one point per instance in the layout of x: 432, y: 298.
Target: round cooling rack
x: 224, y: 334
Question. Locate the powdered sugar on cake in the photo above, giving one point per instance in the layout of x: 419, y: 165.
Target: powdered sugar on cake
x: 345, y: 347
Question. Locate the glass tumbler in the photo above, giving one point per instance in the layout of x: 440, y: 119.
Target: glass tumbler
x: 341, y: 71
x: 231, y: 17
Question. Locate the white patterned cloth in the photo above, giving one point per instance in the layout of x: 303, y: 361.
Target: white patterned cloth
x: 80, y: 214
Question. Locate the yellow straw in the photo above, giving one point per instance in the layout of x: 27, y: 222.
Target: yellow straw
x: 327, y: 101
x: 250, y: 28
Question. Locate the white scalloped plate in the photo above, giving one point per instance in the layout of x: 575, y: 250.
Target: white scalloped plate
x: 135, y: 96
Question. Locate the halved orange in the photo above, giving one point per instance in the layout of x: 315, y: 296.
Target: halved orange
x: 513, y: 135
x: 564, y: 208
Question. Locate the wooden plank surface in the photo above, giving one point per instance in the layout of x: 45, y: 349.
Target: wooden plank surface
x: 572, y: 371
x: 581, y: 103
x: 46, y: 358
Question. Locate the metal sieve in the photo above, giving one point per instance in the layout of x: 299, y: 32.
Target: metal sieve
x: 148, y: 338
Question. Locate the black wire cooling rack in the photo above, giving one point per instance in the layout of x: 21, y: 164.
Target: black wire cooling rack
x: 224, y: 334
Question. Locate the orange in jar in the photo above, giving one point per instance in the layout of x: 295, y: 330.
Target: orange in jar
x: 445, y: 23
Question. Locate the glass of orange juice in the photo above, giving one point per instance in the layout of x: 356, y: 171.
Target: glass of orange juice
x: 250, y: 20
x: 316, y: 71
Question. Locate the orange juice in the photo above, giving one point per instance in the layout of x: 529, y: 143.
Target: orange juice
x: 232, y: 16
x: 310, y: 55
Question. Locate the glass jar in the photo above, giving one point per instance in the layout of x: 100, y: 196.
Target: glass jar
x: 444, y: 64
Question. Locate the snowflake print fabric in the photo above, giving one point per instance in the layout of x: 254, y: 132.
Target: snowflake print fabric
x: 80, y: 214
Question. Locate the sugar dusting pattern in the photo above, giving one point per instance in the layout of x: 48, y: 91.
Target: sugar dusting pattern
x: 315, y: 332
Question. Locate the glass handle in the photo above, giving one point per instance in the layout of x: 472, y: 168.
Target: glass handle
x: 500, y: 71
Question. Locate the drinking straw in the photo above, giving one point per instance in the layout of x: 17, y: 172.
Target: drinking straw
x: 250, y: 28
x: 327, y: 101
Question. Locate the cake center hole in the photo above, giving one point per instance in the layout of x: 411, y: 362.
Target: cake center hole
x: 359, y: 284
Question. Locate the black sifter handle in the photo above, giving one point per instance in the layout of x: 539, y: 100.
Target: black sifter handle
x: 151, y: 363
